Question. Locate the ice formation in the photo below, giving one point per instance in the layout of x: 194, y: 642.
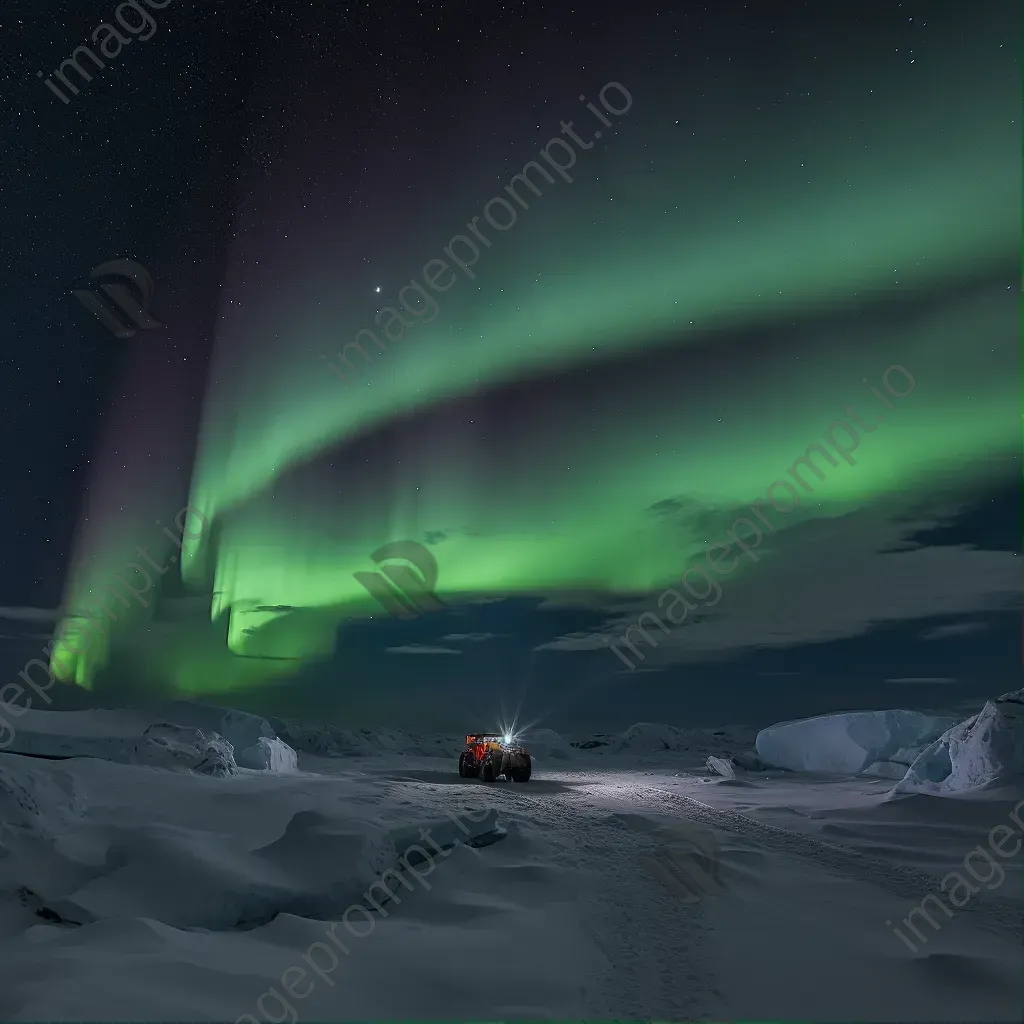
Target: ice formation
x: 178, y: 736
x: 268, y: 754
x: 849, y: 742
x: 987, y: 748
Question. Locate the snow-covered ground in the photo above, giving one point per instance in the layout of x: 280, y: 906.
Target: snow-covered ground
x: 622, y: 881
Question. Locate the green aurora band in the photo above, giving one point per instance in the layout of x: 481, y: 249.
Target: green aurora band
x: 655, y: 244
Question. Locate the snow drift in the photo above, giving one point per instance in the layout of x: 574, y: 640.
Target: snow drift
x: 127, y: 737
x: 240, y: 728
x: 326, y: 740
x: 192, y: 737
x: 649, y: 738
x: 186, y: 866
x: 849, y: 742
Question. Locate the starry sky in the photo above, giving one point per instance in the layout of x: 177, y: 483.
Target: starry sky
x: 572, y: 387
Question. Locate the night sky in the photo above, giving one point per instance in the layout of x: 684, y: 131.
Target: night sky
x: 737, y: 218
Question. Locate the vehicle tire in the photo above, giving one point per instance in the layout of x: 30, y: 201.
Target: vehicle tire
x: 523, y: 774
x: 487, y: 768
x: 468, y: 768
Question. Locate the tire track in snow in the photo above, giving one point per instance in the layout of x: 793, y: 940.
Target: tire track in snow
x: 900, y: 881
x: 657, y: 947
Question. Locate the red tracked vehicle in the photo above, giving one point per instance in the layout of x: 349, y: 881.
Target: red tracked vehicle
x: 487, y: 757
